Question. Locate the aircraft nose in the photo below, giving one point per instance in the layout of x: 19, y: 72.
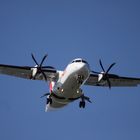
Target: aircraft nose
x: 84, y: 67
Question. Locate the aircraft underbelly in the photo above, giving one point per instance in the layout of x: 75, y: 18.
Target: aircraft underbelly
x: 69, y: 91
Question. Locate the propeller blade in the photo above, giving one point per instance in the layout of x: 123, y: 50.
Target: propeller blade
x: 46, y: 94
x: 105, y: 74
x: 110, y: 67
x: 34, y: 59
x: 44, y: 75
x: 43, y: 60
x: 95, y: 72
x: 101, y: 65
x: 39, y: 66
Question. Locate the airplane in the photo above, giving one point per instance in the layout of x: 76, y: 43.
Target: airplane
x: 65, y: 86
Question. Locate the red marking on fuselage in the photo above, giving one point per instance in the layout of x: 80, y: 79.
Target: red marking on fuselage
x: 63, y: 73
x: 51, y: 87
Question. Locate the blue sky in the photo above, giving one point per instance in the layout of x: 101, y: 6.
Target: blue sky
x: 91, y: 29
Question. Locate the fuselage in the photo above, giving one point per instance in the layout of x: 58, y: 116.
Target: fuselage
x: 67, y: 88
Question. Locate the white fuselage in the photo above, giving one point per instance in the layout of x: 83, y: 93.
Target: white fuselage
x: 68, y: 85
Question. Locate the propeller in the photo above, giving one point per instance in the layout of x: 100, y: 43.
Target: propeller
x: 105, y: 75
x: 39, y: 66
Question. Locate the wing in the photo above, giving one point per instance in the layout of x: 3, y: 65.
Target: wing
x: 116, y: 81
x: 26, y: 72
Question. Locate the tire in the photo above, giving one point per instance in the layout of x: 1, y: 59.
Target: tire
x: 82, y: 104
x: 49, y: 101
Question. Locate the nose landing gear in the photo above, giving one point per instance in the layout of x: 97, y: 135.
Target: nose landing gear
x: 82, y: 104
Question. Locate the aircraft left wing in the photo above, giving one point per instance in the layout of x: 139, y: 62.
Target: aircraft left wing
x: 115, y: 81
x: 26, y: 72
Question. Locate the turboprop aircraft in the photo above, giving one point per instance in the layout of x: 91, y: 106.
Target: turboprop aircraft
x: 65, y: 86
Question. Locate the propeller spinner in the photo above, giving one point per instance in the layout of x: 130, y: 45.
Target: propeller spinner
x: 38, y: 67
x: 104, y: 75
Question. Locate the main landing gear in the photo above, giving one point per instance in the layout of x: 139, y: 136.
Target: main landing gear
x: 49, y: 100
x: 82, y: 103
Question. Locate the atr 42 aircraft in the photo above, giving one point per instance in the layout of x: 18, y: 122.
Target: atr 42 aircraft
x: 65, y: 86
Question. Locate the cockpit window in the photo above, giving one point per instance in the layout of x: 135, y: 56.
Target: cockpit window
x: 79, y: 60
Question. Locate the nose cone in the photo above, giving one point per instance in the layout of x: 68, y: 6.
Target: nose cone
x: 83, y: 69
x: 84, y: 66
x: 79, y: 66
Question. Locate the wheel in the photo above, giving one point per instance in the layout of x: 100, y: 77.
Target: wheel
x: 82, y: 104
x: 49, y: 101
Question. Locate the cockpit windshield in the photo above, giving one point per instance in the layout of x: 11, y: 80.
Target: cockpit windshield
x: 79, y: 60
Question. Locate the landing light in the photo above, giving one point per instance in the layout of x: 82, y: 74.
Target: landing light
x: 62, y: 90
